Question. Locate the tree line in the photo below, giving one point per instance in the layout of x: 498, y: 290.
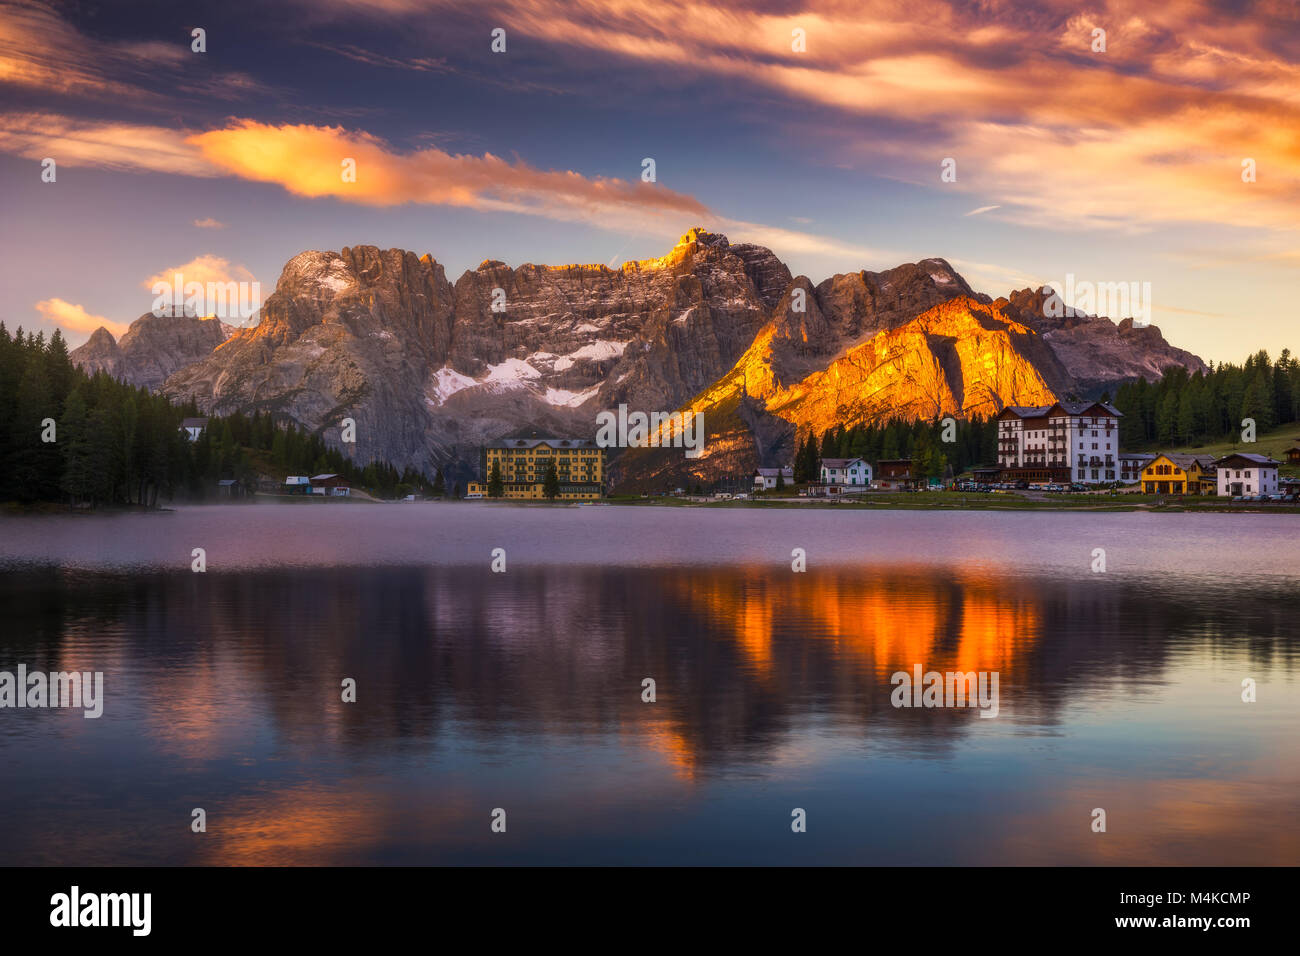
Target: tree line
x: 91, y: 440
x: 973, y: 442
x: 1207, y: 407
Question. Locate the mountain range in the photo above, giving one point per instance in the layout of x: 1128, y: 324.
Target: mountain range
x: 430, y: 370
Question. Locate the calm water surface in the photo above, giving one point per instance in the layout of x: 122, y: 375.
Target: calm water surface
x: 522, y: 690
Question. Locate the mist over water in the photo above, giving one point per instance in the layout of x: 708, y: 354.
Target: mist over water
x: 522, y: 690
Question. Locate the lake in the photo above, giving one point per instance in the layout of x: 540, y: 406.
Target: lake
x: 774, y: 690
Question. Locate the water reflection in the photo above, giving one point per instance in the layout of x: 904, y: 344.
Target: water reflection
x: 524, y: 691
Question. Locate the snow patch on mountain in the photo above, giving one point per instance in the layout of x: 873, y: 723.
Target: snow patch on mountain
x: 512, y: 373
x: 596, y: 351
x: 447, y: 382
x: 567, y: 399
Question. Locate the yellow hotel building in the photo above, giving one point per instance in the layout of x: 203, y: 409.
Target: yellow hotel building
x: 1179, y: 475
x: 579, y: 462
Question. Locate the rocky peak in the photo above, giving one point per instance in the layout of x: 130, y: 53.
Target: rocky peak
x: 152, y: 348
x: 101, y: 338
x: 100, y: 353
x: 698, y: 236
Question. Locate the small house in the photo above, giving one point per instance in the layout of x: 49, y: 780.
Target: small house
x: 896, y: 474
x: 1247, y: 475
x: 845, y: 471
x: 765, y: 478
x: 1171, y: 474
x: 229, y: 488
x: 193, y: 428
x: 331, y: 485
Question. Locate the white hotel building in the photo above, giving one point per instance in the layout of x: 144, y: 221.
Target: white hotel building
x: 1065, y: 442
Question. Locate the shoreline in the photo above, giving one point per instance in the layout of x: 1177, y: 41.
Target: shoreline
x: 912, y: 501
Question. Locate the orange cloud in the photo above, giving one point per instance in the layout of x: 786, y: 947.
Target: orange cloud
x: 202, y: 269
x: 74, y: 318
x: 309, y: 161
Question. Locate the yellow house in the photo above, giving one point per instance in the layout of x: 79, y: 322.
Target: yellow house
x: 1179, y: 475
x: 523, y: 463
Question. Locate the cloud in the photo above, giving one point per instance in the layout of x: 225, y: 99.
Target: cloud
x: 308, y: 161
x: 209, y: 223
x: 74, y: 318
x: 1153, y: 131
x: 419, y: 64
x: 788, y: 242
x: 203, y: 269
x: 41, y: 51
x: 108, y: 145
x: 981, y: 210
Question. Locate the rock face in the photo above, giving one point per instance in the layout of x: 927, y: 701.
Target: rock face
x: 962, y: 357
x: 429, y: 370
x: 1097, y: 352
x: 100, y: 353
x: 152, y: 348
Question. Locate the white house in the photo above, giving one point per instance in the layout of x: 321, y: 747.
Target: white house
x: 1065, y: 442
x: 1250, y: 475
x: 193, y: 427
x: 765, y: 478
x: 845, y: 471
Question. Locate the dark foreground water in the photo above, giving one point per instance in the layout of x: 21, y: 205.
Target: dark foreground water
x: 523, y: 690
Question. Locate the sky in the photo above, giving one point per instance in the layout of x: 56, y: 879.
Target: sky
x: 1164, y: 150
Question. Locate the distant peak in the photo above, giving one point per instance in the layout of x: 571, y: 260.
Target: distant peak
x: 698, y: 235
x: 101, y: 336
